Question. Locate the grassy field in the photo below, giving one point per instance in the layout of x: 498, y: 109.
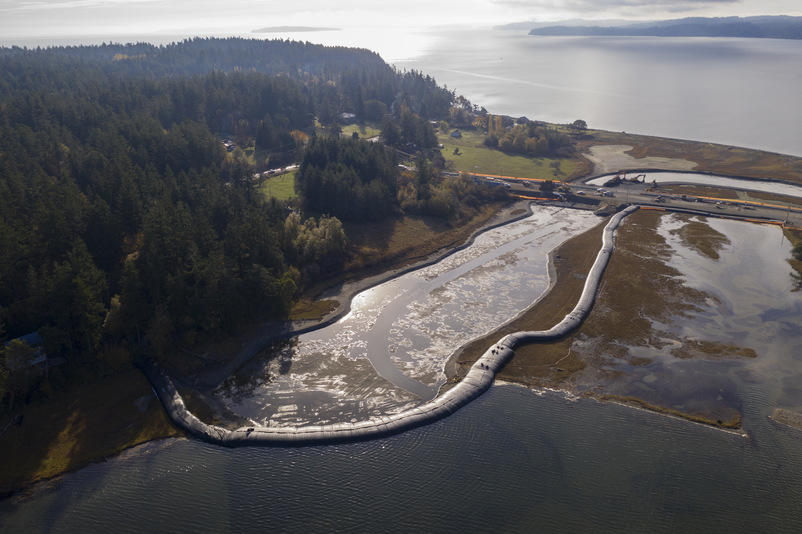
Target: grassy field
x: 474, y: 157
x: 365, y: 131
x: 397, y: 242
x: 280, y: 187
x: 91, y: 422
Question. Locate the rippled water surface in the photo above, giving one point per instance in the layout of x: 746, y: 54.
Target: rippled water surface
x: 687, y: 88
x: 512, y: 461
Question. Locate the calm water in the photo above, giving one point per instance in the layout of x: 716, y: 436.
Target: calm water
x: 514, y: 461
x: 389, y: 352
x: 748, y: 302
x: 740, y: 92
x: 717, y: 181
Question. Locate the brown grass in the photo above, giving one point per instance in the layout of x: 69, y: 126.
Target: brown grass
x: 733, y: 423
x: 712, y: 351
x: 72, y: 430
x: 395, y: 243
x: 404, y: 240
x: 310, y: 309
x: 775, y: 199
x: 709, y: 157
x: 638, y: 287
x: 699, y: 191
x: 701, y: 237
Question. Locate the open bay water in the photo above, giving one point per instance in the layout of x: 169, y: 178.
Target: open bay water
x: 512, y: 461
x: 740, y: 92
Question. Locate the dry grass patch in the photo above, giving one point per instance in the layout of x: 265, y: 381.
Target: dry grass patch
x: 395, y: 243
x: 75, y: 429
x: 733, y: 422
x: 709, y: 157
x: 638, y: 289
x: 772, y: 198
x: 310, y: 309
x: 699, y: 191
x: 712, y: 351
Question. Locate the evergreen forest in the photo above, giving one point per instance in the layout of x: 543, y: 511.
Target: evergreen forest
x: 126, y: 219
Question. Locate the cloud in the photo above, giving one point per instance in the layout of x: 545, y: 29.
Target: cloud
x: 605, y: 5
x: 68, y: 4
x: 77, y: 17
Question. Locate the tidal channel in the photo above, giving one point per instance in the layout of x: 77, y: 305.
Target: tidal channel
x: 513, y: 460
x: 389, y: 352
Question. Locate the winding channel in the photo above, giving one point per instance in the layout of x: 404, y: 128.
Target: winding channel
x: 478, y: 380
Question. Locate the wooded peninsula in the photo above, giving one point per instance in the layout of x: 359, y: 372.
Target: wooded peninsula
x: 135, y: 222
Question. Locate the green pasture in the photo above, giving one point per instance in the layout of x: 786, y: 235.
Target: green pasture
x: 365, y: 131
x: 280, y: 187
x: 474, y: 157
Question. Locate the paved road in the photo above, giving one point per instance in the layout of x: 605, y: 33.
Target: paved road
x: 640, y: 193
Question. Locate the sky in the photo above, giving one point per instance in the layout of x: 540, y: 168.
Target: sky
x: 51, y: 18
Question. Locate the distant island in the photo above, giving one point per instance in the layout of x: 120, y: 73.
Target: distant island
x: 294, y: 29
x: 767, y: 27
x: 531, y: 24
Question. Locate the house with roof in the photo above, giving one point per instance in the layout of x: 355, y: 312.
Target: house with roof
x: 33, y: 341
x: 346, y: 118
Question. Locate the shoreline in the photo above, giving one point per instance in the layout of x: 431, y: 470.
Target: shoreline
x: 253, y: 340
x: 643, y: 146
x: 256, y: 338
x: 478, y: 379
x: 553, y: 377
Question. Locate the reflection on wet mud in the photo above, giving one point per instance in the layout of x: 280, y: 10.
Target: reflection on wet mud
x: 275, y: 359
x: 737, y: 337
x: 389, y: 352
x: 695, y: 317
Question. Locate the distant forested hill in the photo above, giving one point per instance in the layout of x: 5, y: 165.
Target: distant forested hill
x: 123, y: 216
x: 335, y: 78
x: 770, y: 27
